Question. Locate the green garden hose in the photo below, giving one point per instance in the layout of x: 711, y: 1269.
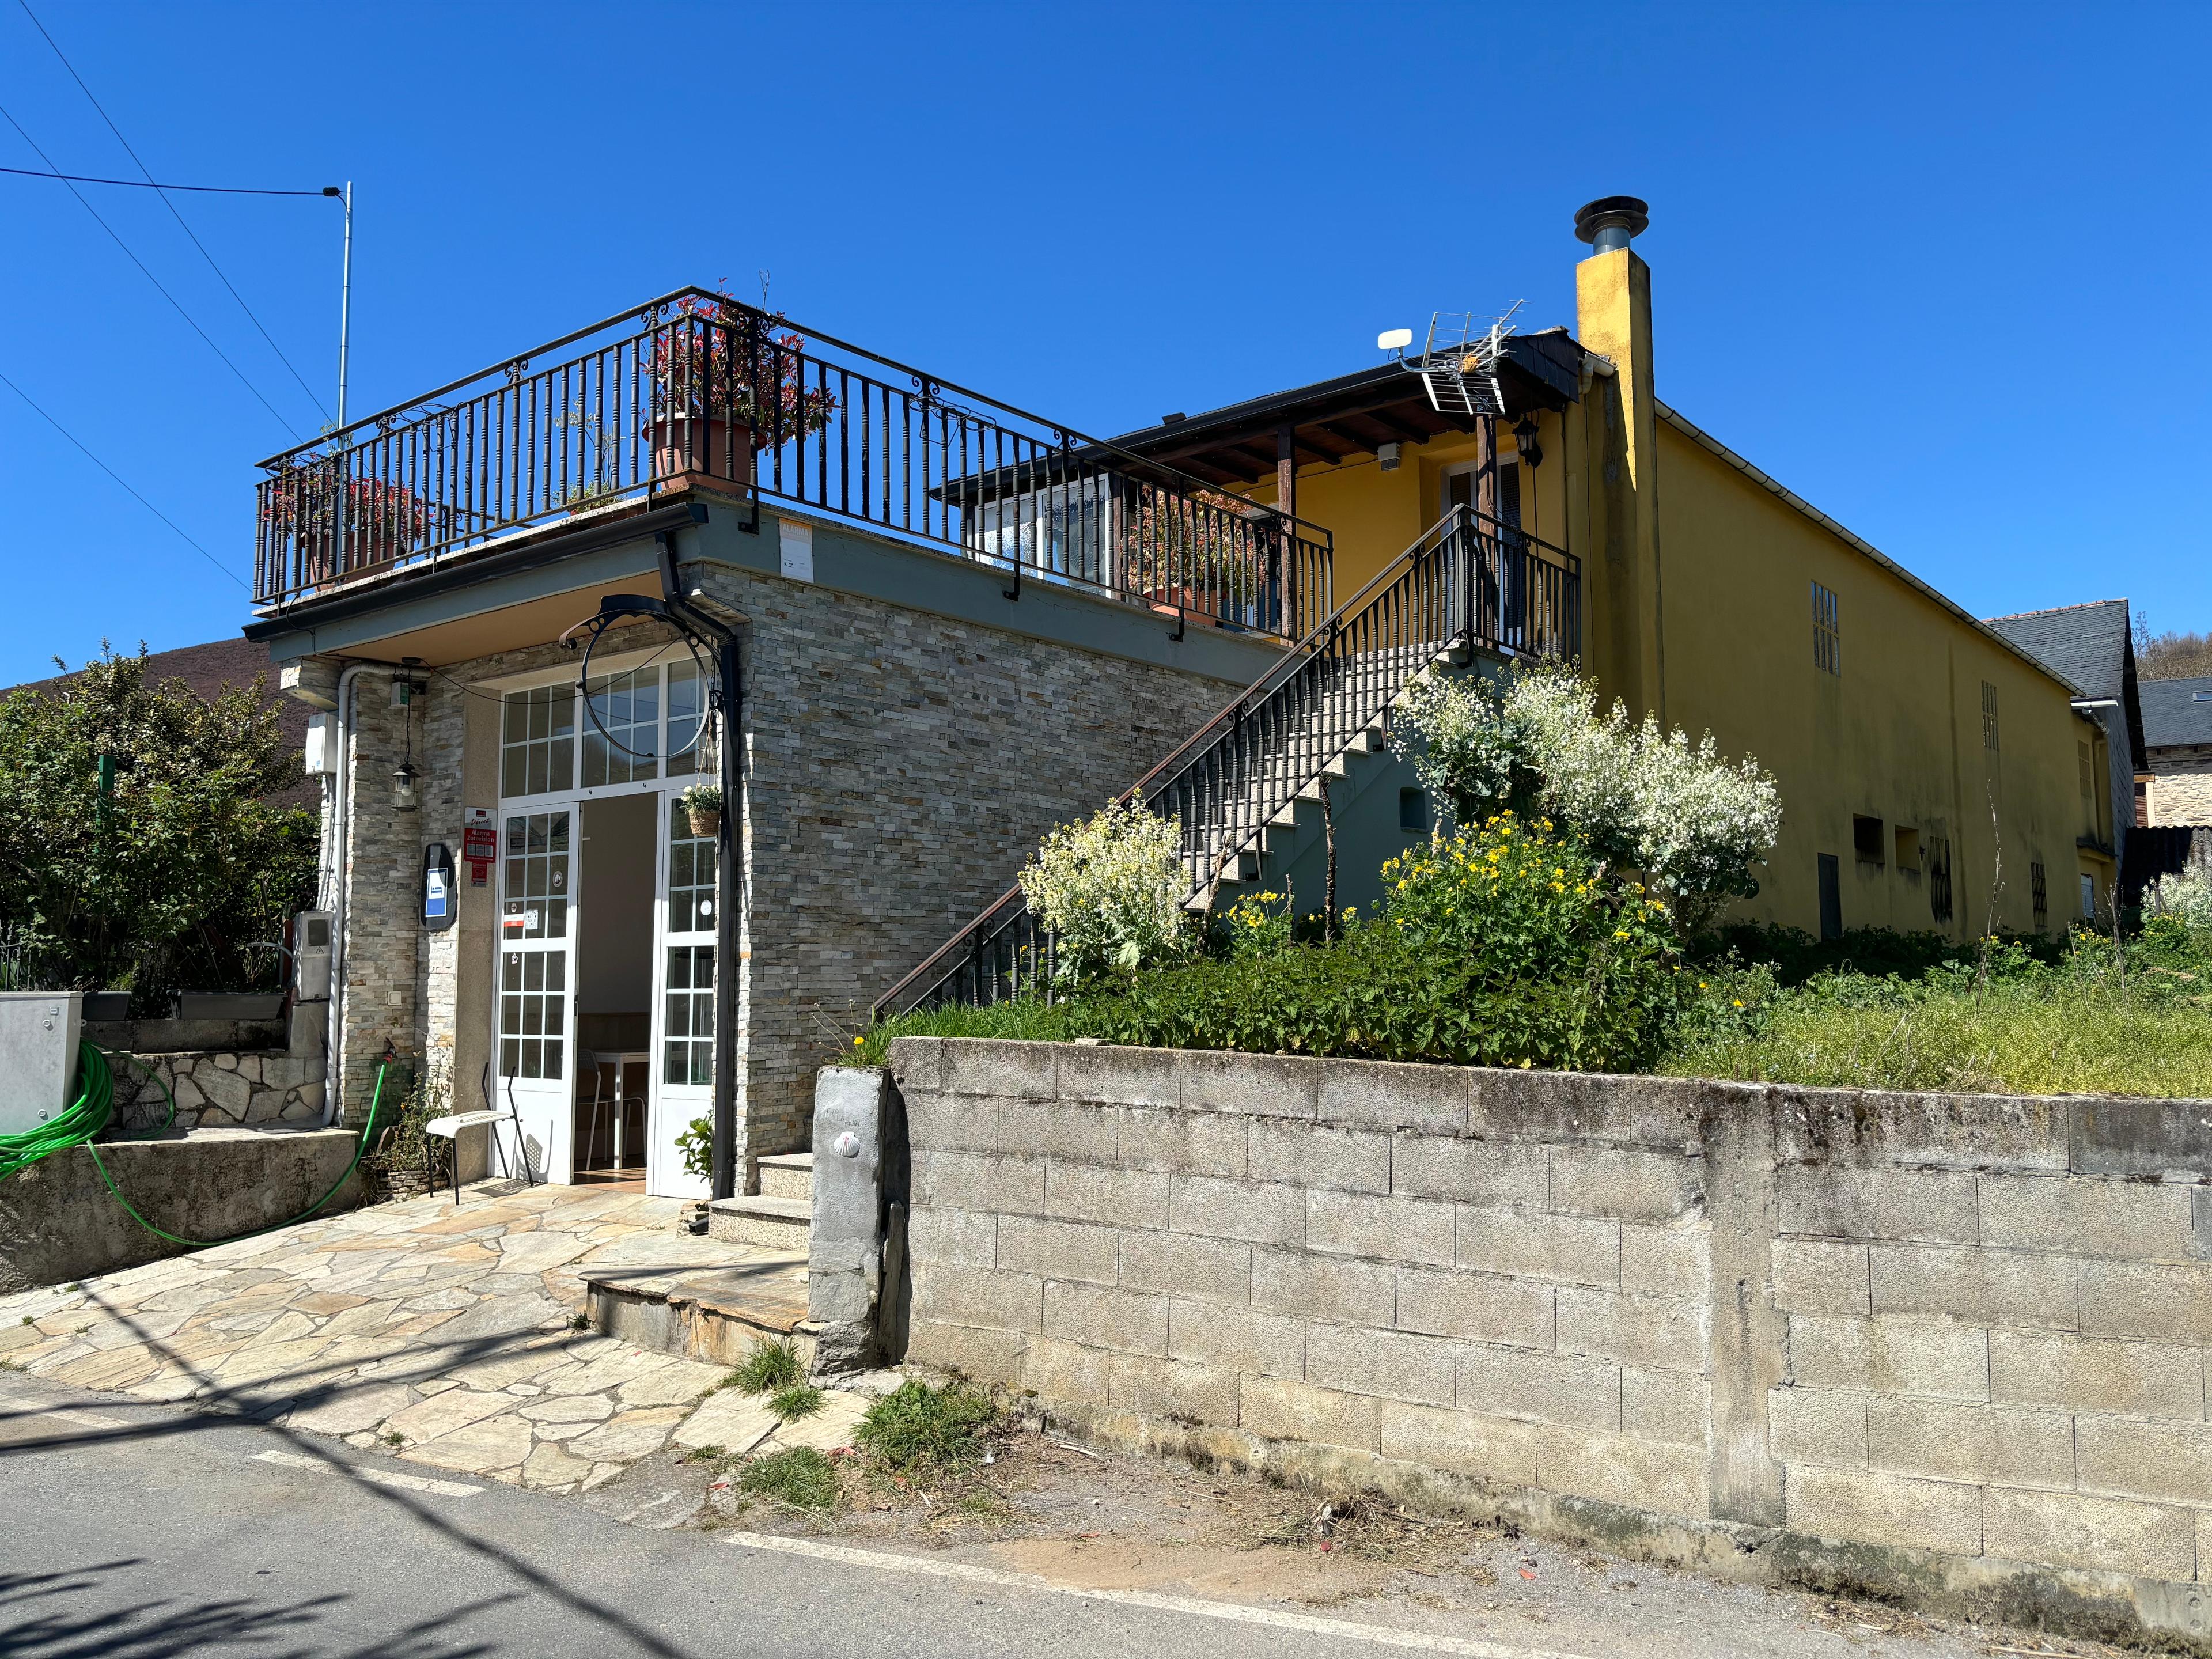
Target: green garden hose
x: 89, y: 1114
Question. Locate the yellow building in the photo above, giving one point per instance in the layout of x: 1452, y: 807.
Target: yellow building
x: 1933, y: 774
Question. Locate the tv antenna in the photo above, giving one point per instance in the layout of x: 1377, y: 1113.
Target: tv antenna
x: 1458, y: 361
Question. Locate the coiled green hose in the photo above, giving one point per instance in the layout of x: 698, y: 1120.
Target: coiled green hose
x: 84, y: 1118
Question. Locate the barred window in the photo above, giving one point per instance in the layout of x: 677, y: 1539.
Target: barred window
x: 1989, y: 716
x: 2039, y: 886
x: 2089, y: 774
x: 1827, y: 636
x: 1939, y: 878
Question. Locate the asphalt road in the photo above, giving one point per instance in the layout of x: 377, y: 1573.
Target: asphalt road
x: 132, y: 1531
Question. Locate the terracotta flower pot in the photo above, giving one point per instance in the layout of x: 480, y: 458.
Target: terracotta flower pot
x: 687, y: 449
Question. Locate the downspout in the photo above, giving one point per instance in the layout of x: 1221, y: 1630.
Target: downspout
x: 338, y: 826
x: 729, y: 872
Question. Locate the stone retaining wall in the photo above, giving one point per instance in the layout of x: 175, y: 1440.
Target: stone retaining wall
x: 229, y: 1087
x: 1952, y: 1347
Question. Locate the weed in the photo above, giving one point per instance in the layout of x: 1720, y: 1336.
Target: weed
x: 394, y: 1439
x: 798, y: 1475
x: 800, y: 1400
x: 920, y: 1428
x: 703, y: 1455
x: 13, y: 1365
x: 581, y: 1323
x: 770, y: 1366
x: 28, y: 1320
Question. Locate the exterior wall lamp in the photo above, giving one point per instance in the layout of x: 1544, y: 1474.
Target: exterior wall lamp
x: 402, y: 787
x: 1524, y: 434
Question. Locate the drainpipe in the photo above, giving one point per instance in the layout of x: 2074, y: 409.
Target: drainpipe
x: 729, y: 872
x: 338, y: 823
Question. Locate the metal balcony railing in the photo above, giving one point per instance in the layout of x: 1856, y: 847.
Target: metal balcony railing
x: 1468, y: 580
x: 696, y: 390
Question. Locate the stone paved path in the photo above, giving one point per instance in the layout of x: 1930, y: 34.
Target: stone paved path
x: 447, y: 1335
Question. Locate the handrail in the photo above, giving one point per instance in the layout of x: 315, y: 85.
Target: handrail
x: 696, y: 390
x: 1468, y: 578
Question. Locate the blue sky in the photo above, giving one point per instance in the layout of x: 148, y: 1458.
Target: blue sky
x: 1939, y: 268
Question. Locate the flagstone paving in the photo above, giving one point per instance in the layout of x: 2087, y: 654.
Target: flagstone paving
x: 447, y: 1334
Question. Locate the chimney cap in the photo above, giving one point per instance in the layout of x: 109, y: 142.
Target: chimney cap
x: 1625, y: 215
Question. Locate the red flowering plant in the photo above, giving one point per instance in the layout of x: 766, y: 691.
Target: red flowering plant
x: 716, y: 357
x: 309, y: 502
x: 1207, y: 551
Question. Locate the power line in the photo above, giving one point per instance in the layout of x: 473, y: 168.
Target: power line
x: 119, y: 478
x: 141, y: 183
x: 152, y: 278
x: 172, y: 206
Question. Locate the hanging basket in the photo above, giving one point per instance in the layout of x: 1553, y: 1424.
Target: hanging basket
x: 706, y: 821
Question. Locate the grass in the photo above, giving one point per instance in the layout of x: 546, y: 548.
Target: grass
x: 798, y: 1476
x: 799, y: 1399
x: 918, y: 1429
x: 2078, y: 1026
x: 770, y: 1366
x: 1025, y: 1019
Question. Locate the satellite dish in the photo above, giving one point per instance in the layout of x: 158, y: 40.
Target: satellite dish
x: 1458, y: 362
x: 1393, y: 339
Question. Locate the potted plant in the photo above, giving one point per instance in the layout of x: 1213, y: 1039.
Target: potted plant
x: 303, y: 503
x: 727, y: 380
x: 408, y: 1162
x: 702, y: 804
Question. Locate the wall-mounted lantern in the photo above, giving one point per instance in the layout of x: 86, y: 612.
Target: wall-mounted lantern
x: 1524, y: 433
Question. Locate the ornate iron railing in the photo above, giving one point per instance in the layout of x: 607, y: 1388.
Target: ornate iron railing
x: 696, y: 390
x: 1467, y: 580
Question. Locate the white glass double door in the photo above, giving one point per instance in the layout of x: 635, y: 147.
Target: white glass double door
x: 537, y: 1062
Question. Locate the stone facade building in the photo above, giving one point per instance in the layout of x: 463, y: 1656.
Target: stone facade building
x: 2177, y: 781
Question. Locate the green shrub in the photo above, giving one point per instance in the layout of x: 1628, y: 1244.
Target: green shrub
x: 798, y: 1475
x: 1533, y: 742
x: 1505, y: 945
x: 919, y: 1429
x: 1112, y: 888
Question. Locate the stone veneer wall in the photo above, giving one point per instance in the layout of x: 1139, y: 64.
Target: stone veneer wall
x: 249, y: 1081
x: 901, y: 765
x: 2181, y: 784
x: 1963, y: 1337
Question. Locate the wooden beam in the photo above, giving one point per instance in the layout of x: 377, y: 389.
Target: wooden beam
x: 1360, y: 445
x: 1406, y: 431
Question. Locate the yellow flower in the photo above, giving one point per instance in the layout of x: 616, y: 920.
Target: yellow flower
x: 1739, y: 1002
x: 859, y: 1043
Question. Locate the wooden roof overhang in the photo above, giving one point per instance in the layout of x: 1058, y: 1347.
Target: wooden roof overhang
x: 1332, y: 421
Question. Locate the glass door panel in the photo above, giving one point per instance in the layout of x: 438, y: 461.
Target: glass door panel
x: 683, y: 1017
x: 536, y: 892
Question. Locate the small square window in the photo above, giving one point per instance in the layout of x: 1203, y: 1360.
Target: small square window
x: 1413, y: 811
x: 1866, y: 839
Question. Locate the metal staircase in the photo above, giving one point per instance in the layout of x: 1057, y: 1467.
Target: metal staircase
x: 1468, y: 582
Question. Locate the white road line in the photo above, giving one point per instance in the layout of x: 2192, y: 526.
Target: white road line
x: 1345, y: 1629
x: 374, y: 1477
x: 86, y: 1419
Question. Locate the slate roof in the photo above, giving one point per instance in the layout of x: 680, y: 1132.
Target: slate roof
x: 2172, y: 714
x: 2091, y: 647
x: 2086, y: 644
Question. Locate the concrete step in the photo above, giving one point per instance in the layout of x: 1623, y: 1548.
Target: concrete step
x: 776, y: 1223
x: 788, y: 1175
x: 708, y: 1313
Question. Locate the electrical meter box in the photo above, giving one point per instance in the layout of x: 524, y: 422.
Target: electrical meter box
x: 321, y: 756
x: 310, y: 956
x: 38, y: 1032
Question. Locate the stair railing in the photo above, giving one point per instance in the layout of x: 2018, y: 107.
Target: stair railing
x: 1466, y: 580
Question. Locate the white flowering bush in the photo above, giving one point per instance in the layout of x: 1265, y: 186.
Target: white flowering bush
x: 2186, y: 897
x: 1641, y: 797
x: 1112, y: 888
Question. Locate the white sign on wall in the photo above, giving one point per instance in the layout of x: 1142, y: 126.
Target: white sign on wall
x: 797, y: 549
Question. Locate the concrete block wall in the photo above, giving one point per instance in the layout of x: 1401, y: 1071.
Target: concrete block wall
x: 1423, y: 1263
x: 1997, y: 1318
x: 1919, y: 1339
